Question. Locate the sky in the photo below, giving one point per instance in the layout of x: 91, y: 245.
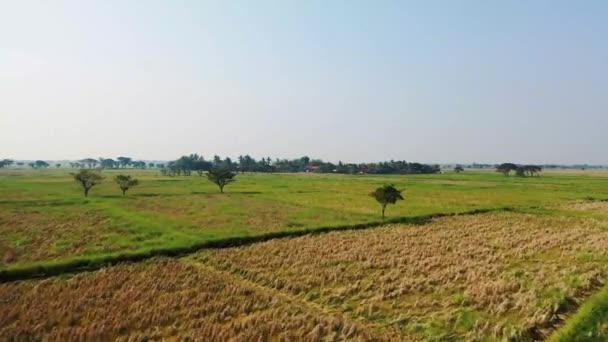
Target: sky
x: 352, y: 81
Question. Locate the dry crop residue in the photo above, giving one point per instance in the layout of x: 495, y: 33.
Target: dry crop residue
x: 160, y: 299
x: 499, y: 275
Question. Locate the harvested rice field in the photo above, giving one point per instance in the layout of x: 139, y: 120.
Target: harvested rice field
x: 470, y: 277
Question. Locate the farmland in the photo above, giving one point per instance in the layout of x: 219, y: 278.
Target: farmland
x: 516, y: 270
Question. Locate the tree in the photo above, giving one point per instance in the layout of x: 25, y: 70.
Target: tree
x: 506, y: 168
x: 87, y: 179
x: 124, y: 161
x: 6, y: 163
x: 458, y: 169
x: 39, y: 164
x: 107, y: 163
x: 91, y: 163
x: 201, y: 165
x: 57, y: 165
x: 385, y: 195
x: 221, y: 177
x: 217, y: 161
x: 150, y: 165
x: 139, y: 164
x: 125, y: 182
x: 532, y: 170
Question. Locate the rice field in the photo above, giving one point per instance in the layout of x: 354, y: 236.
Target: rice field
x: 534, y: 252
x: 164, y: 299
x: 45, y: 220
x: 501, y: 276
x: 497, y: 275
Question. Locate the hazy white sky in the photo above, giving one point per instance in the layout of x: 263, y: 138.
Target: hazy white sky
x: 429, y: 81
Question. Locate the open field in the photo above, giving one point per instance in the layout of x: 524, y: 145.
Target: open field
x: 44, y: 218
x: 497, y: 275
x: 517, y: 271
x: 502, y: 275
x: 161, y: 299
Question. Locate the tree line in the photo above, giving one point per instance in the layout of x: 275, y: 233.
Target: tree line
x: 185, y: 165
x: 109, y: 163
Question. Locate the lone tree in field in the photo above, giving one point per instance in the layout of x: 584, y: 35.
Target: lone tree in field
x: 125, y: 182
x: 458, y: 169
x: 385, y: 195
x: 87, y: 179
x: 221, y: 177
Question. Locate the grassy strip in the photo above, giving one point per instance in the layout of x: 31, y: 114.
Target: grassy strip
x: 588, y: 323
x: 53, y: 268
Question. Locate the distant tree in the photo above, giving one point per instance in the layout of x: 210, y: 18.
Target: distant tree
x: 150, y: 165
x: 6, y: 163
x: 57, y: 165
x: 201, y: 165
x: 90, y: 162
x: 124, y: 161
x: 385, y: 195
x: 217, y: 161
x: 458, y: 169
x: 520, y: 171
x: 40, y: 164
x: 87, y: 179
x: 533, y: 170
x: 20, y: 164
x: 506, y: 168
x: 139, y: 164
x: 125, y: 182
x: 221, y: 177
x: 227, y: 163
x: 107, y: 163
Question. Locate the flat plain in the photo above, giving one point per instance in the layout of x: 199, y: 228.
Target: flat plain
x: 518, y: 270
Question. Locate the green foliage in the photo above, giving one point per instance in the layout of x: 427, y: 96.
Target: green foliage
x: 89, y: 162
x: 39, y: 164
x: 125, y: 182
x: 87, y: 179
x: 221, y: 177
x: 506, y: 168
x: 589, y: 322
x: 124, y: 161
x: 458, y: 169
x: 385, y: 195
x: 520, y: 170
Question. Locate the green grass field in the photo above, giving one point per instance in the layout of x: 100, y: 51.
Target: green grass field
x: 45, y: 218
x: 45, y: 221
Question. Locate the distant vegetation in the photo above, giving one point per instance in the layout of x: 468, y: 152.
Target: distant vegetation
x: 6, y: 163
x: 39, y: 164
x: 520, y: 170
x: 194, y: 162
